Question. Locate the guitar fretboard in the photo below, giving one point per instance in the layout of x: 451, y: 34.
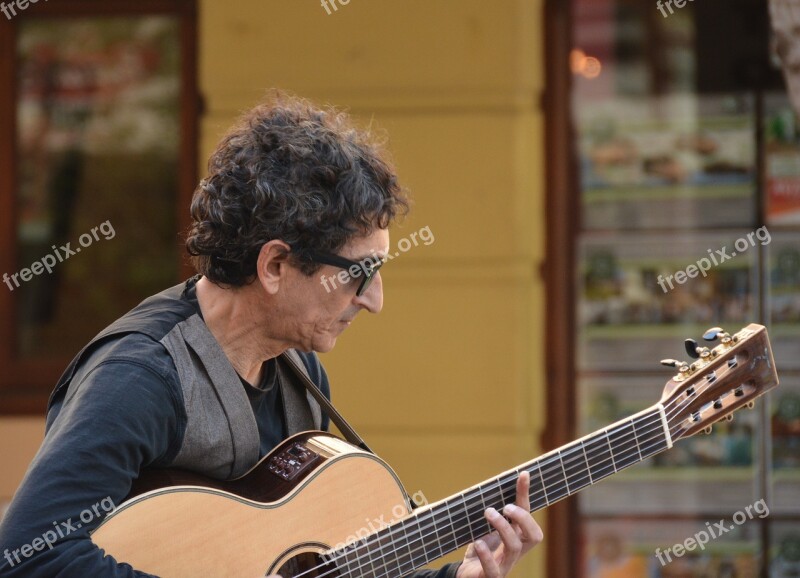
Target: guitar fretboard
x: 458, y: 520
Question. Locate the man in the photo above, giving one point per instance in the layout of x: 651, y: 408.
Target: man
x: 194, y: 377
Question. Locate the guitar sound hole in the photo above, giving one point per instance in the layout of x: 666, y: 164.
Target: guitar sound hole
x: 310, y: 565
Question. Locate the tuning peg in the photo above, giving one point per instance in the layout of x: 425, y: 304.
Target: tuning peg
x: 713, y: 334
x: 751, y: 404
x: 707, y: 430
x: 671, y: 362
x: 718, y: 403
x: 729, y: 417
x: 691, y: 348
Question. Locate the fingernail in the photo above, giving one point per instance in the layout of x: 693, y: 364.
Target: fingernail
x: 492, y: 512
x: 509, y: 508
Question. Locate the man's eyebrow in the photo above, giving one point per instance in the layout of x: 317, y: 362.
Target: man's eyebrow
x: 381, y: 255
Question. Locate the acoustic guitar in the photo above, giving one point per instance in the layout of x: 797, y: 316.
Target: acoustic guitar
x: 317, y: 506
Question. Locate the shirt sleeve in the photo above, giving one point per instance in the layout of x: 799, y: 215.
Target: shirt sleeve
x: 121, y: 416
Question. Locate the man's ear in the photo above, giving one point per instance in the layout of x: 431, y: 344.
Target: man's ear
x: 272, y: 264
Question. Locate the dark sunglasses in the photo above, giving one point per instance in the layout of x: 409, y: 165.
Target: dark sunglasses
x: 367, y: 267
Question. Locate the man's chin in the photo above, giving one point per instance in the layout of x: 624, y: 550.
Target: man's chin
x: 325, y: 346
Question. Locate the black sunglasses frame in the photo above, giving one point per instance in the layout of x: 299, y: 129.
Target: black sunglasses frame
x: 368, y: 267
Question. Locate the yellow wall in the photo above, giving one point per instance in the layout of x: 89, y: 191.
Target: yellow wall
x: 447, y: 384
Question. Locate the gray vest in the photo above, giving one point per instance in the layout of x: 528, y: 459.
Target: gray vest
x: 221, y: 438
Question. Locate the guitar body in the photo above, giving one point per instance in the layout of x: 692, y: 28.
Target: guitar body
x: 311, y: 493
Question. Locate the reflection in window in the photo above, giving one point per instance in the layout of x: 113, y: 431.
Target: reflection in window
x: 98, y: 140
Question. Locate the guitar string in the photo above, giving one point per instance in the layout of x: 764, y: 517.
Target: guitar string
x: 499, y: 488
x: 470, y: 496
x: 465, y: 516
x: 462, y: 514
x: 499, y: 482
x: 583, y: 474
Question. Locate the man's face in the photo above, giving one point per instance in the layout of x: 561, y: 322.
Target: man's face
x: 320, y: 307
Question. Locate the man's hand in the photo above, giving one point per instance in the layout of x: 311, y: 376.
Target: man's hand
x: 493, y: 555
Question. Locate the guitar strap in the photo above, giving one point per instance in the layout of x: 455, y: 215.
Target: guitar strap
x: 296, y: 364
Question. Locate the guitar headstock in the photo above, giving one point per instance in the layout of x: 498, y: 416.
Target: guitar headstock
x: 719, y: 381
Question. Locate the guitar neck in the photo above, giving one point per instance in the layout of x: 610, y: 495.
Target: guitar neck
x: 445, y: 526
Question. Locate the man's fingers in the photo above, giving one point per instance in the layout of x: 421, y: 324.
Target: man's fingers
x: 512, y: 544
x: 531, y: 533
x: 524, y: 491
x: 488, y: 563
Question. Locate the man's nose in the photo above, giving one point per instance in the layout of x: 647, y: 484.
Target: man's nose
x: 372, y: 299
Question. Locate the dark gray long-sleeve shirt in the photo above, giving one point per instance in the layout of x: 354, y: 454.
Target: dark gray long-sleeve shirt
x: 125, y: 413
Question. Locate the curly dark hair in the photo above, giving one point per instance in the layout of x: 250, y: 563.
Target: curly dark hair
x: 292, y: 171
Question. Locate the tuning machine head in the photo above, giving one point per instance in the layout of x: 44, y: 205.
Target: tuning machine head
x: 692, y: 349
x: 715, y: 333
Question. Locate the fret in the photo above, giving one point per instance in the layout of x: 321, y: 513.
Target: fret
x: 508, y: 489
x: 366, y: 561
x: 364, y: 555
x: 460, y: 519
x: 379, y: 540
x: 536, y: 494
x: 402, y: 553
x: 330, y: 565
x: 431, y: 530
x: 624, y: 446
x: 479, y: 523
x: 600, y: 462
x: 576, y: 467
x: 467, y: 517
x: 611, y: 452
x: 417, y: 539
x: 586, y: 459
x: 346, y: 558
x: 556, y: 482
x: 544, y: 485
x: 564, y: 471
x: 393, y: 547
x: 385, y: 542
x: 483, y: 502
x: 636, y: 439
x: 357, y: 560
x: 452, y: 532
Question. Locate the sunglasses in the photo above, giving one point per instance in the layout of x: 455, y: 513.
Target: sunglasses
x: 367, y: 267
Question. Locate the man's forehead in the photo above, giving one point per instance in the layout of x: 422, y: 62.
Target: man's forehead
x: 377, y: 243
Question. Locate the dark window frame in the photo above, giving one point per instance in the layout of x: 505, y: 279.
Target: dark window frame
x: 562, y: 222
x: 26, y: 384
